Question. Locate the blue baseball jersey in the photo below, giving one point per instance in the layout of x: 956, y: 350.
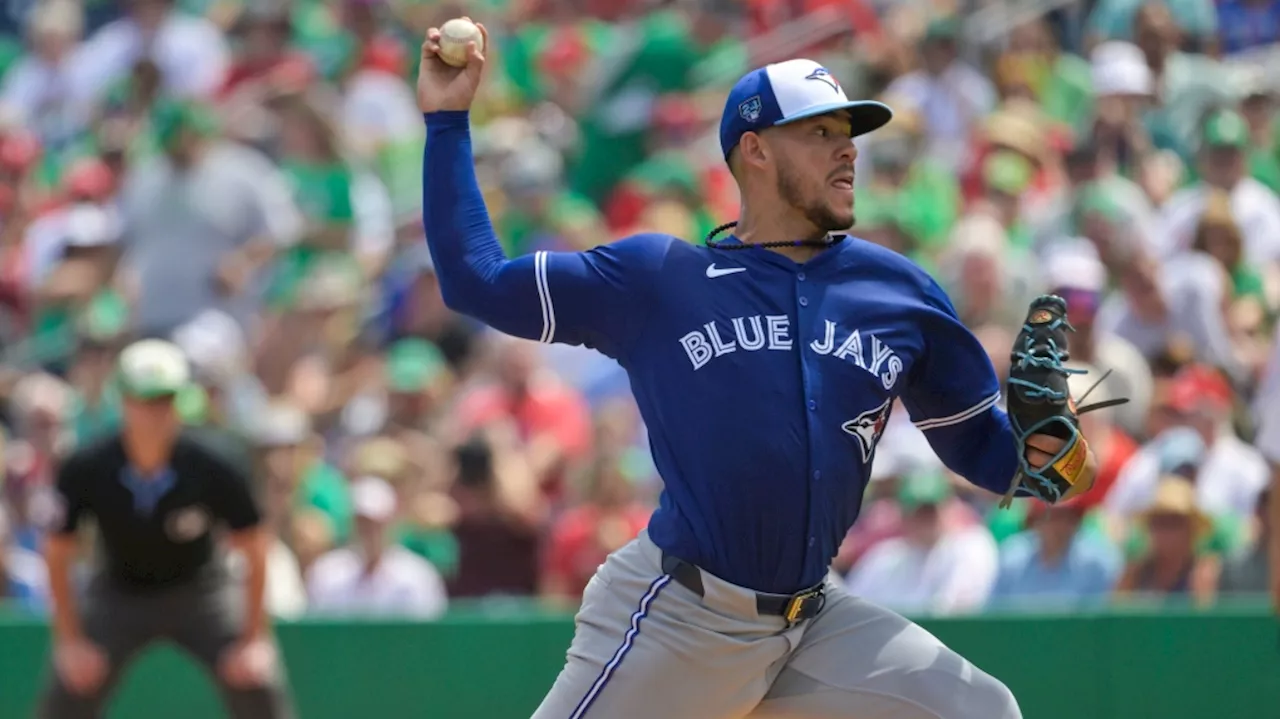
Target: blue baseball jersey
x: 764, y: 383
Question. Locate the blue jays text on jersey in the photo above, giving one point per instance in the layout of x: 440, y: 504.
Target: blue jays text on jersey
x: 704, y: 344
x: 765, y: 384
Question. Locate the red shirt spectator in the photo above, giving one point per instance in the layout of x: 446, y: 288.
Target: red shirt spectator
x: 581, y: 540
x: 1119, y: 449
x: 552, y: 418
x: 582, y: 537
x: 767, y: 15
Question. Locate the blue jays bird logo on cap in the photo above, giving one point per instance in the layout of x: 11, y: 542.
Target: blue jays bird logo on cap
x: 822, y: 74
x: 750, y: 109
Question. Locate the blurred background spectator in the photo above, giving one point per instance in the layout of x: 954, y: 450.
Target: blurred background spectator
x: 375, y: 575
x: 243, y: 177
x: 931, y: 567
x: 1057, y: 562
x: 1172, y: 564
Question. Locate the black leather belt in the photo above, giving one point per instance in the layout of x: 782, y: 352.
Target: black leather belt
x: 794, y: 608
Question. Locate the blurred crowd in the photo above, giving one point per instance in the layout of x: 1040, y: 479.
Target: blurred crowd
x: 243, y: 177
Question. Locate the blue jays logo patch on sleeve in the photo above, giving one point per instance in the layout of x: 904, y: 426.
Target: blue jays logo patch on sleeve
x: 824, y: 75
x: 750, y: 109
x: 868, y: 427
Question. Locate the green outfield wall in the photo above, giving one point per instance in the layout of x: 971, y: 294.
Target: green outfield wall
x: 496, y: 665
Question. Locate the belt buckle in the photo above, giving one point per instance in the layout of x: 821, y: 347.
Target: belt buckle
x: 796, y: 604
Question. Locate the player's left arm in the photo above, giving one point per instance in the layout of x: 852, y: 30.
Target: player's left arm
x: 235, y: 505
x: 952, y: 395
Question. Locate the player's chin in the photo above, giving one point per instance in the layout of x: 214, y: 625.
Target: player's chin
x: 841, y: 214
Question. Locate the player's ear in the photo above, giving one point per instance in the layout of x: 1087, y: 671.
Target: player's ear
x: 753, y: 150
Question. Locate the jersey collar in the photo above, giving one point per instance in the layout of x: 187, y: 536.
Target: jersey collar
x: 147, y: 491
x: 817, y: 262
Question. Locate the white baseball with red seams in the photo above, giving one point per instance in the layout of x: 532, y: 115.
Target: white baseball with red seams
x: 454, y: 36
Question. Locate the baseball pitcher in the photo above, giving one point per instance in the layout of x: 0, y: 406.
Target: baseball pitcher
x: 766, y: 365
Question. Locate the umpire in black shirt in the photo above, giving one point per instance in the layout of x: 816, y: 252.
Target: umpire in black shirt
x: 159, y: 493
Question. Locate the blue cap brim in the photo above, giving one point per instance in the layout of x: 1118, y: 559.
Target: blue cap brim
x: 865, y: 115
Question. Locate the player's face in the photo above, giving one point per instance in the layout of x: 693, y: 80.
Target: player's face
x: 1223, y: 166
x: 815, y: 169
x: 1171, y: 534
x: 154, y: 417
x: 1059, y: 525
x: 371, y: 533
x: 923, y: 525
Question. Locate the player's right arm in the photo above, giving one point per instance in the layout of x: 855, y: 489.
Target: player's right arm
x: 81, y: 665
x: 596, y: 298
x: 61, y: 549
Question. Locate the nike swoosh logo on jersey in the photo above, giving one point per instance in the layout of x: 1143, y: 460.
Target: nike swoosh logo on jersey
x: 713, y: 271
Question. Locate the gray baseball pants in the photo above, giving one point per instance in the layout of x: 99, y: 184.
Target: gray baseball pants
x: 203, y: 617
x: 645, y: 646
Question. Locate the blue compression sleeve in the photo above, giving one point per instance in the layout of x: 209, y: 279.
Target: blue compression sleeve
x: 596, y: 298
x: 470, y: 263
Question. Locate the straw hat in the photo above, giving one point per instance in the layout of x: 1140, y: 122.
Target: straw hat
x: 907, y: 120
x: 1176, y: 496
x: 380, y: 456
x: 1020, y: 127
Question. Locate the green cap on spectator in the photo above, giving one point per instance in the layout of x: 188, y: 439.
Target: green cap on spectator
x: 1226, y: 128
x: 150, y: 369
x: 169, y: 118
x: 1093, y: 199
x: 943, y: 28
x: 105, y: 318
x: 413, y: 364
x: 1007, y: 172
x: 923, y: 488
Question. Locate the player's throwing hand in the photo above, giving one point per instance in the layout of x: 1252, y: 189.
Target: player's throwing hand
x: 442, y: 86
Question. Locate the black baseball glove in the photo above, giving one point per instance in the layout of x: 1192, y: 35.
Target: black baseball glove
x: 1040, y: 403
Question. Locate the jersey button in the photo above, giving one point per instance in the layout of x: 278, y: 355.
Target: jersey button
x: 800, y: 277
x: 804, y: 301
x: 813, y: 404
x: 817, y: 475
x: 812, y: 541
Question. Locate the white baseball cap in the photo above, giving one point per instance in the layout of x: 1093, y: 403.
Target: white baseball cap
x: 1120, y: 68
x: 789, y: 91
x: 372, y: 498
x: 214, y: 343
x: 152, y: 368
x: 1076, y: 266
x: 88, y: 225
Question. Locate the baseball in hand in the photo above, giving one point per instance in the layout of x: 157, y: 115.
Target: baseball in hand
x: 454, y: 36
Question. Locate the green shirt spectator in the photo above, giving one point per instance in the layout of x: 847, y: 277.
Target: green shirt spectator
x: 659, y: 59
x: 1006, y: 176
x: 324, y: 488
x: 437, y: 546
x: 927, y: 203
x: 1067, y: 93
